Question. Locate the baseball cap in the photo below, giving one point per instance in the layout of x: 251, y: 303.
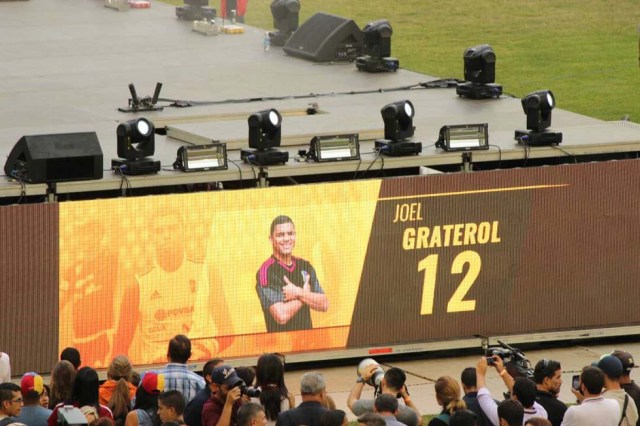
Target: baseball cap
x: 626, y: 359
x: 611, y: 366
x: 225, y: 375
x: 153, y: 382
x: 31, y: 382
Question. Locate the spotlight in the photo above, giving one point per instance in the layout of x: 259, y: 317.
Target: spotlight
x: 537, y: 106
x: 285, y: 20
x: 264, y: 136
x: 479, y: 73
x: 196, y: 10
x: 464, y: 137
x: 136, y: 142
x: 377, y: 48
x: 195, y: 158
x: 398, y: 126
x: 335, y: 148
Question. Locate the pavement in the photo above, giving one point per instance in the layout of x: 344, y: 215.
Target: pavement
x: 424, y: 370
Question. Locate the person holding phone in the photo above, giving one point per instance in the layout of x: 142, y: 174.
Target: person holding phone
x: 548, y: 377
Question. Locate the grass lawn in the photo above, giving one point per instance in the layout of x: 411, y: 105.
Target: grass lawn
x: 586, y: 51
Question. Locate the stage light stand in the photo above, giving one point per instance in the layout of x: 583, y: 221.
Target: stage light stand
x: 148, y: 103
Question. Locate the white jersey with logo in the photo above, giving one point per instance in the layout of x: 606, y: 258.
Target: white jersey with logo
x: 172, y: 303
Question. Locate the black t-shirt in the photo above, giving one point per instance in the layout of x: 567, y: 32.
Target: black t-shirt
x: 555, y: 408
x: 269, y: 284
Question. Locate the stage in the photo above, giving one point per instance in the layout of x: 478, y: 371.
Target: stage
x: 66, y: 67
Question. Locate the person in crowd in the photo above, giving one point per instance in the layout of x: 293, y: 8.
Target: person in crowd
x: 334, y: 418
x: 145, y: 408
x: 85, y: 392
x: 10, y: 403
x: 594, y: 409
x: 176, y: 374
x: 5, y: 368
x: 470, y: 398
x: 171, y: 406
x: 448, y: 395
x: 62, y: 377
x: 193, y: 411
x: 44, y: 397
x: 251, y: 414
x: 393, y: 383
x: 222, y: 408
x: 612, y: 368
x: 463, y: 417
x: 310, y: 411
x: 274, y: 395
x: 371, y: 419
x: 626, y: 383
x: 32, y: 414
x: 537, y: 421
x: 548, y: 377
x: 510, y: 413
x: 117, y: 391
x: 522, y: 389
x: 387, y: 406
x: 72, y: 355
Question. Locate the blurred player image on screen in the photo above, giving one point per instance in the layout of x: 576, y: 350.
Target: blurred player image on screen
x: 172, y: 296
x: 287, y: 285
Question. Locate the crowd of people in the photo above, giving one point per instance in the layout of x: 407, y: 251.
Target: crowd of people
x: 258, y: 396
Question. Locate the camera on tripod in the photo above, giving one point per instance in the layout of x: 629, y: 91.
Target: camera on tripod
x: 376, y: 377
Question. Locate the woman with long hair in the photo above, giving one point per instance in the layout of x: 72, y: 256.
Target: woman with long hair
x: 448, y: 395
x: 274, y: 396
x: 117, y: 391
x: 145, y: 409
x: 84, y: 394
x: 62, y: 377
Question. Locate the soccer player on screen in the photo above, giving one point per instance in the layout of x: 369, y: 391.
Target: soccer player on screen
x: 288, y: 286
x: 172, y: 296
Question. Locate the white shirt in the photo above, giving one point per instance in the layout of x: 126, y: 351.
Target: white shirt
x: 596, y: 411
x: 632, y: 412
x: 489, y: 407
x: 5, y: 368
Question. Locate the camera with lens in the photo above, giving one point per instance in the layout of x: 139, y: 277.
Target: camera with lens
x: 515, y: 362
x: 250, y: 391
x: 378, y: 373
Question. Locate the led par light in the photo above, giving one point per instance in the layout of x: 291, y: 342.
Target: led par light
x: 264, y: 136
x: 136, y: 142
x: 196, y: 158
x: 398, y: 126
x: 479, y: 73
x: 464, y: 137
x: 335, y: 148
x: 377, y: 48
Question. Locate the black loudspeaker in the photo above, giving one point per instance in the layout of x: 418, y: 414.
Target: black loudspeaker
x: 326, y: 38
x: 56, y: 158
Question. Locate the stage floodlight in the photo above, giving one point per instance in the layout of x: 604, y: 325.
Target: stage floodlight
x: 335, y: 148
x: 264, y: 136
x: 479, y: 73
x: 136, y: 139
x: 537, y: 106
x: 464, y: 137
x: 285, y: 20
x: 398, y: 127
x: 377, y: 48
x: 398, y: 120
x: 196, y: 158
x: 136, y: 142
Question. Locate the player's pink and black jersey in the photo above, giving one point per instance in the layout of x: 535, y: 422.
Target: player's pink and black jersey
x: 270, y: 281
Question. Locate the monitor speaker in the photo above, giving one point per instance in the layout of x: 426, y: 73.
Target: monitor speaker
x: 56, y: 158
x: 326, y: 38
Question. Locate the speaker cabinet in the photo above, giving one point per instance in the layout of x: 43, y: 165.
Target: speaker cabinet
x: 326, y: 38
x: 56, y: 158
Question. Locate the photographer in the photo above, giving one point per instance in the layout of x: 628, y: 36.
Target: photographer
x: 393, y: 383
x: 226, y: 391
x: 522, y: 390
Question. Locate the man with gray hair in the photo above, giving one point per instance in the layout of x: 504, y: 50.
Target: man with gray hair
x: 251, y: 414
x: 309, y: 412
